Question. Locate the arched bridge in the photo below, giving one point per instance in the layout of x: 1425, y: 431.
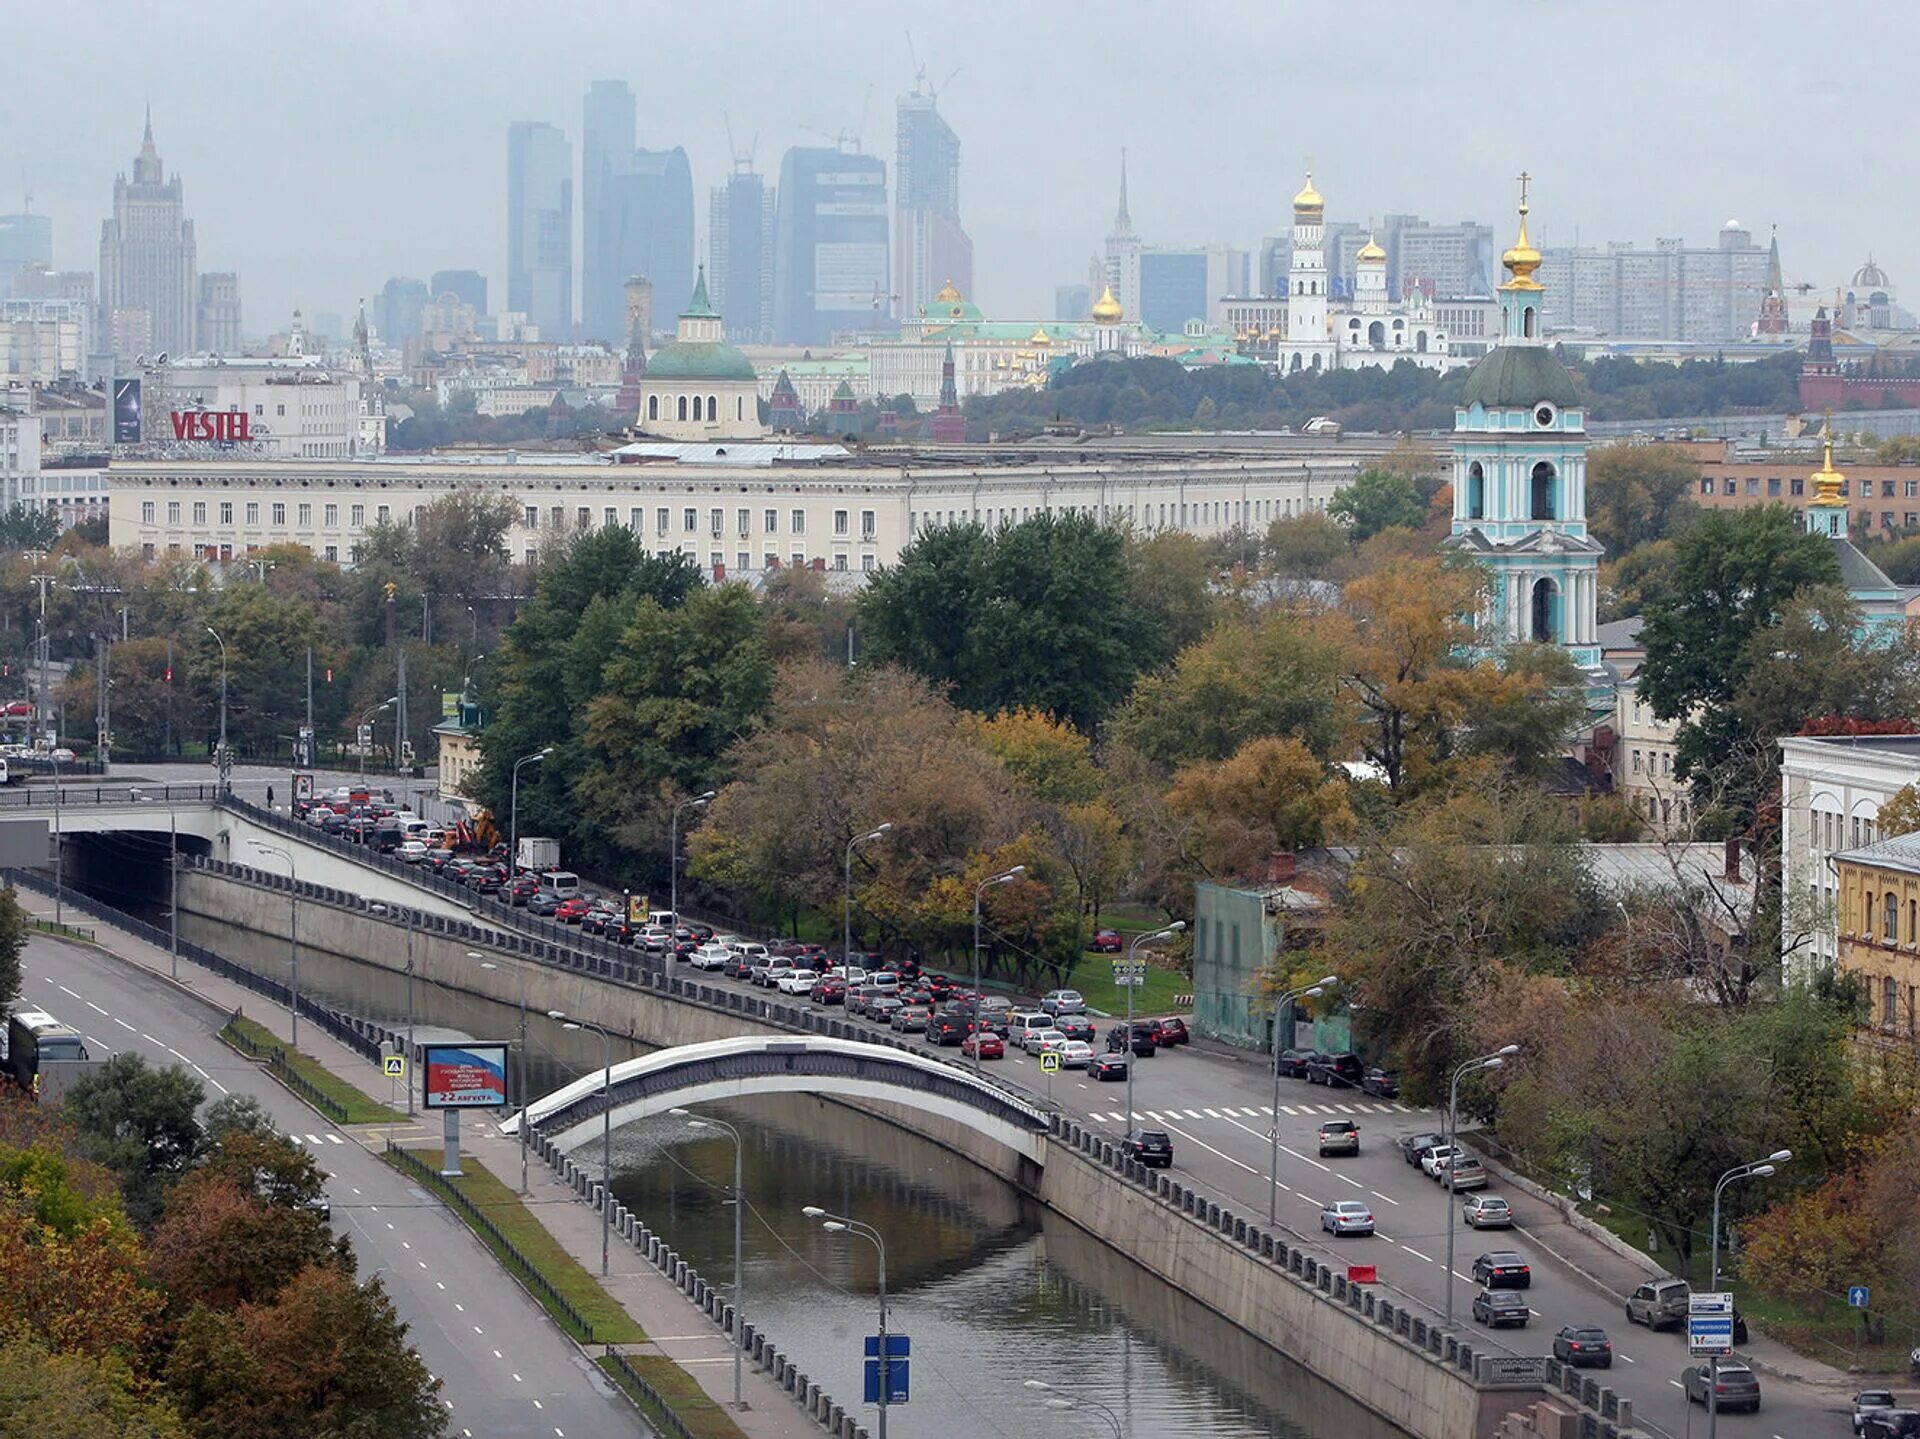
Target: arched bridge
x: 691, y: 1074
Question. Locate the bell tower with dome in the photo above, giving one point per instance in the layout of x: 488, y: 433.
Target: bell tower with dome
x: 1309, y: 343
x: 1520, y: 479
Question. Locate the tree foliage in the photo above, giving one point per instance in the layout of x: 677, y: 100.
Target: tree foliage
x: 1638, y: 494
x: 1271, y: 794
x: 141, y: 1122
x: 1376, y: 500
x: 77, y: 1396
x: 13, y: 939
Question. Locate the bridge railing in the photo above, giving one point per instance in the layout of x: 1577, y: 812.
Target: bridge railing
x: 42, y: 797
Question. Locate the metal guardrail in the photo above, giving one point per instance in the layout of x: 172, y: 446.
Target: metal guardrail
x: 521, y: 1267
x: 649, y: 1400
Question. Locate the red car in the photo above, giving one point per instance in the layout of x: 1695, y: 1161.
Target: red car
x: 1170, y: 1031
x: 829, y: 991
x: 1107, y: 941
x: 990, y: 1045
x: 571, y: 910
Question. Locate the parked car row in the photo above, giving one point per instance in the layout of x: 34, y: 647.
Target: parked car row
x: 1337, y: 1071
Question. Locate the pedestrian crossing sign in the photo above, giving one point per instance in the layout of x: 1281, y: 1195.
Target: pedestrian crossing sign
x: 1049, y: 1063
x: 396, y: 1066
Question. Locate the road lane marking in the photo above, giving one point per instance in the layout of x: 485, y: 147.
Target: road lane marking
x: 1416, y: 1253
x: 1627, y: 1357
x: 65, y: 990
x: 335, y: 1139
x: 1677, y: 1384
x: 95, y: 1008
x: 1211, y: 1150
x: 1354, y: 1182
x: 498, y: 1355
x: 1210, y: 1113
x: 1388, y: 1197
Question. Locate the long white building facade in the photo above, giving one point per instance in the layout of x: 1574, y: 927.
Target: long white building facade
x: 741, y: 514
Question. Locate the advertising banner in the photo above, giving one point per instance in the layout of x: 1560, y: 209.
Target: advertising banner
x: 639, y: 909
x: 126, y: 412
x: 465, y: 1076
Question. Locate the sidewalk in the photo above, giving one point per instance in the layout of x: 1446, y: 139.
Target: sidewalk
x: 675, y: 1328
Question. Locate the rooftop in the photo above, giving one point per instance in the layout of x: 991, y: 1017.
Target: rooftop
x: 1902, y: 852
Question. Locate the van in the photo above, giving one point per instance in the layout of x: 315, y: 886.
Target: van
x: 561, y: 883
x: 1025, y: 1026
x: 415, y: 829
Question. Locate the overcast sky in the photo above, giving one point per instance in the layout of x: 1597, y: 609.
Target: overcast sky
x: 327, y: 146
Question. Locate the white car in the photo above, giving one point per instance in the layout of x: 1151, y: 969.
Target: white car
x: 1076, y: 1054
x: 1048, y: 1041
x: 1347, y: 1216
x: 852, y: 973
x: 711, y: 956
x: 1438, y: 1158
x: 797, y: 981
x: 411, y: 851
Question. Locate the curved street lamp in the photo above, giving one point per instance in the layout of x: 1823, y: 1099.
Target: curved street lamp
x: 979, y: 1006
x: 673, y: 850
x: 739, y: 1206
x: 840, y: 1224
x: 1756, y: 1169
x: 1495, y: 1060
x: 846, y: 911
x: 1285, y: 1001
x: 1133, y: 949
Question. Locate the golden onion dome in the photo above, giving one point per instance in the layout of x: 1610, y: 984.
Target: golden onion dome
x: 1106, y: 309
x: 1521, y: 260
x: 1040, y: 337
x: 1370, y: 253
x: 948, y: 295
x: 1309, y: 200
x: 1827, y: 480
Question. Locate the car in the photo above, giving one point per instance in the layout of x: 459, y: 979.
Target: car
x: 1107, y: 941
x: 738, y: 966
x: 1169, y: 1031
x: 1138, y: 1039
x: 544, y: 902
x: 1110, y: 1065
x: 1497, y: 1308
x: 1076, y: 1026
x: 1658, y: 1303
x: 1057, y: 1002
x: 411, y: 851
x: 1436, y: 1157
x: 1464, y: 1171
x: 522, y: 890
x: 1339, y: 1136
x: 1734, y: 1385
x: 1487, y: 1211
x: 1047, y: 1041
x: 985, y: 1045
x: 1336, y: 1071
x: 882, y: 1008
x: 1412, y: 1146
x: 1503, y: 1269
x: 572, y: 911
x: 1293, y: 1063
x: 1891, y: 1424
x: 908, y: 1019
x: 487, y: 879
x: 1076, y: 1054
x: 1583, y: 1346
x: 945, y: 1027
x: 594, y: 921
x: 768, y: 972
x: 1347, y: 1216
x: 828, y: 990
x: 1150, y: 1147
x: 1871, y: 1401
x: 1023, y: 1025
x: 1381, y: 1083
x: 797, y: 982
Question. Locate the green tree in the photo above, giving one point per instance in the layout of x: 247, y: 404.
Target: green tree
x: 13, y: 939
x: 27, y: 527
x: 1526, y: 715
x: 1170, y: 586
x: 77, y: 1396
x: 1305, y: 546
x: 142, y: 1123
x: 1637, y: 494
x: 1376, y: 500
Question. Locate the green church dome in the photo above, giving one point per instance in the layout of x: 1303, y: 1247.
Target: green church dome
x: 1515, y: 376
x: 699, y: 360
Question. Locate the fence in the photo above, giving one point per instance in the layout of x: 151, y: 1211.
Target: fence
x: 522, y: 1268
x: 649, y: 1399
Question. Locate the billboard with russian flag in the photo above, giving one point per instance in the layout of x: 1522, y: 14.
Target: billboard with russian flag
x: 465, y: 1076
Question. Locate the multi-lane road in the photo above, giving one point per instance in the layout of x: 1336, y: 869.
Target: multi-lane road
x: 505, y: 1369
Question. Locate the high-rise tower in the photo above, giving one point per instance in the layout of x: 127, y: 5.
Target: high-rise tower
x: 606, y: 147
x: 740, y: 227
x: 830, y: 268
x: 1309, y: 345
x: 1118, y: 271
x: 930, y: 246
x: 1520, y: 479
x: 149, y: 285
x: 540, y: 226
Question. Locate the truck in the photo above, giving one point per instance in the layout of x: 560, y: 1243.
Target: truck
x: 536, y: 854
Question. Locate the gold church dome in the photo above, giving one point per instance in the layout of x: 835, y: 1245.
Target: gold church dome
x: 1309, y: 200
x: 1106, y: 309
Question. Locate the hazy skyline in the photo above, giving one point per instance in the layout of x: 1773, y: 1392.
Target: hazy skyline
x: 325, y: 149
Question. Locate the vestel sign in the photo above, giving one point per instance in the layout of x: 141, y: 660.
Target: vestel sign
x: 226, y: 425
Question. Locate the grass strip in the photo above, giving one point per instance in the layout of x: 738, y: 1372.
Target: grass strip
x: 678, y: 1395
x: 1093, y: 977
x: 353, y: 1106
x: 611, y: 1323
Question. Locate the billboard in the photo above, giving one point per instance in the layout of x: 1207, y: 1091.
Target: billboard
x: 465, y: 1076
x: 126, y: 412
x: 225, y: 426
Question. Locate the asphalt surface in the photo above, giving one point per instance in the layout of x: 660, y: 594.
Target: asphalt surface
x: 506, y: 1370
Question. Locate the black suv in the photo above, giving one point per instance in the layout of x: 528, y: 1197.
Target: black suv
x: 1140, y: 1040
x: 1891, y: 1424
x: 1150, y: 1146
x: 1337, y: 1071
x: 1292, y: 1063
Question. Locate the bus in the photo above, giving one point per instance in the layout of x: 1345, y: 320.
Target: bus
x: 34, y: 1036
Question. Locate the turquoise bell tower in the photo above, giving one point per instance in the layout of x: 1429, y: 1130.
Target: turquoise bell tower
x: 1520, y: 480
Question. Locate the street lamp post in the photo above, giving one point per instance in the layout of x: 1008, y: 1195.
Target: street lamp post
x: 220, y: 759
x: 1486, y: 1061
x: 1057, y: 1398
x: 362, y: 728
x: 526, y: 1091
x: 606, y: 1126
x: 293, y: 932
x: 1284, y: 1002
x: 979, y: 1024
x: 840, y: 1224
x: 59, y: 854
x: 673, y: 850
x: 846, y: 901
x: 1133, y: 950
x: 1758, y: 1169
x: 513, y: 816
x: 739, y: 1269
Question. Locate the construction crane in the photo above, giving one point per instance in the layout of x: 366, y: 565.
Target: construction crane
x: 920, y: 74
x: 742, y: 160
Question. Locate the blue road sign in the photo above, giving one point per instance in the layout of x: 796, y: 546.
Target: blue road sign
x: 896, y: 1381
x: 899, y: 1346
x: 1857, y: 1296
x: 1709, y: 1334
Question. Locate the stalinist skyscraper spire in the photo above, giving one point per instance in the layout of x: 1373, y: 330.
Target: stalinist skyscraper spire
x: 148, y: 264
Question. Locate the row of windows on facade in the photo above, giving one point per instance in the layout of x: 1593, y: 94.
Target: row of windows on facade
x: 711, y: 408
x: 742, y: 560
x: 1643, y: 761
x: 690, y: 520
x: 1646, y: 807
x: 1543, y: 492
x: 1832, y: 831
x: 1889, y: 489
x: 276, y: 510
x: 1204, y: 513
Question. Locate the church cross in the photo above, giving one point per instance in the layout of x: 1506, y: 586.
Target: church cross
x: 1524, y: 179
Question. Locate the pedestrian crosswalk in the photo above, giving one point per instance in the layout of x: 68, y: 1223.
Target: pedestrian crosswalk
x: 1296, y: 1111
x: 318, y: 1141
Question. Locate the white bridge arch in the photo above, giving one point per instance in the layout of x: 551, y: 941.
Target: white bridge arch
x: 691, y: 1074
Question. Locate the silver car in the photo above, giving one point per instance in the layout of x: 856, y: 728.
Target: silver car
x: 1488, y: 1211
x: 1347, y: 1216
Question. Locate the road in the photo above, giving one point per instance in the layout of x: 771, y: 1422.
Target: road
x: 506, y: 1370
x: 1218, y: 1112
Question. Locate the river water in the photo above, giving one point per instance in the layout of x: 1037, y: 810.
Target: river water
x: 991, y: 1289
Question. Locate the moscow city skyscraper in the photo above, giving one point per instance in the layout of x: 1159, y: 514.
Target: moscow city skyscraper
x: 149, y: 282
x: 740, y: 229
x: 540, y: 226
x: 636, y: 213
x: 830, y: 268
x: 930, y: 247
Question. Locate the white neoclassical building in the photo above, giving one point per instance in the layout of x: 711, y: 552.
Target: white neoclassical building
x: 699, y: 387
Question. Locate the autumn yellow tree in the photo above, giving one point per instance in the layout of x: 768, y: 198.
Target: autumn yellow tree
x: 1047, y: 757
x: 1271, y: 794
